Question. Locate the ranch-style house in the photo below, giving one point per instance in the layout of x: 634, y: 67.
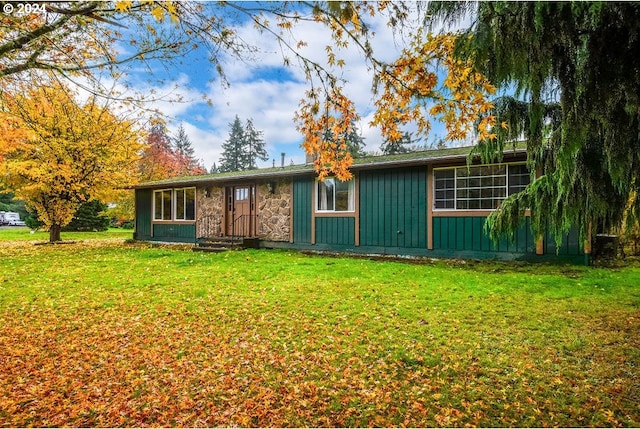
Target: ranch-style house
x: 429, y: 204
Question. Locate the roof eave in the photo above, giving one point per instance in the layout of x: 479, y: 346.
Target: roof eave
x: 309, y: 170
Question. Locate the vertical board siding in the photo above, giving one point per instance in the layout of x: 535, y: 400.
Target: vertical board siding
x: 175, y: 232
x: 570, y: 246
x: 302, y: 206
x: 339, y: 231
x: 393, y: 208
x: 467, y: 233
x: 143, y: 214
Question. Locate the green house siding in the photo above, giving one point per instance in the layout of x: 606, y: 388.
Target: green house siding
x: 143, y: 214
x: 302, y: 205
x: 570, y: 246
x: 467, y: 234
x: 393, y: 208
x: 338, y: 231
x: 174, y: 233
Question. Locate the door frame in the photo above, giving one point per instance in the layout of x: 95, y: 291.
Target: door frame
x: 234, y: 197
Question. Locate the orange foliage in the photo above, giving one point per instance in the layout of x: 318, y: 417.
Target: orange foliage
x: 412, y: 91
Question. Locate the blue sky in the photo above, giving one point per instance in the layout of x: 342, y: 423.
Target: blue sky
x: 263, y: 90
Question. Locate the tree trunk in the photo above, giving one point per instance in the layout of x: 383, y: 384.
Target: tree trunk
x: 54, y: 233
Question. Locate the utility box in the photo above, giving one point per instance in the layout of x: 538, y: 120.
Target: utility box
x: 606, y: 246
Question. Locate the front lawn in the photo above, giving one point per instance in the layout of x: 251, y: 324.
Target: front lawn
x: 25, y: 234
x: 136, y: 335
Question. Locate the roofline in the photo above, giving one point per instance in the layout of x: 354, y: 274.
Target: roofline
x: 307, y: 169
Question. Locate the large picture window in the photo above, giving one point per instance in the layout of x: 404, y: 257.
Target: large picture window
x: 334, y: 196
x: 174, y: 204
x: 481, y: 187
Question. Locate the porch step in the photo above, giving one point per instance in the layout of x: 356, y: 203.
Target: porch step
x: 221, y: 244
x: 218, y: 244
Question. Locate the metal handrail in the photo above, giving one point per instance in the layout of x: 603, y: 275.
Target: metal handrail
x: 245, y: 222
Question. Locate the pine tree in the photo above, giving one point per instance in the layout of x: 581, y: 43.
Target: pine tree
x: 243, y: 147
x: 182, y: 145
x: 185, y: 154
x: 399, y: 146
x: 253, y: 146
x: 232, y: 148
x: 214, y: 169
x: 353, y: 140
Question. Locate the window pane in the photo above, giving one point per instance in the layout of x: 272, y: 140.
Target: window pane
x: 242, y: 194
x: 480, y: 187
x: 190, y: 204
x: 519, y: 178
x: 179, y: 204
x: 444, y: 187
x: 343, y: 200
x: 325, y: 194
x: 157, y: 210
x: 166, y: 205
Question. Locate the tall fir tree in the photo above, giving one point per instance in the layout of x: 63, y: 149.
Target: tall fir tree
x: 402, y: 145
x: 254, y: 146
x: 243, y: 148
x: 185, y: 154
x: 232, y: 148
x: 353, y: 140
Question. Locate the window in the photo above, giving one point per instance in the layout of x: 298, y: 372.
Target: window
x: 174, y: 204
x: 162, y: 205
x: 480, y: 187
x: 242, y: 194
x: 185, y: 204
x: 335, y: 196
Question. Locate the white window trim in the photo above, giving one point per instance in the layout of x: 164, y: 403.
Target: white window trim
x: 455, y: 186
x: 174, y: 202
x: 351, y: 203
x: 153, y: 205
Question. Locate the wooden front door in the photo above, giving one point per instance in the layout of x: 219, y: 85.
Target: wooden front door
x: 241, y: 220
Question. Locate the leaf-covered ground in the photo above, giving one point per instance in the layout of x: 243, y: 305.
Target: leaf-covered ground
x: 112, y: 334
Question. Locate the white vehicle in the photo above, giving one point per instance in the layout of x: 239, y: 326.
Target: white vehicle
x: 11, y: 218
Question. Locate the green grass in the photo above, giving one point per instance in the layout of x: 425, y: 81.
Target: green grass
x: 134, y: 335
x: 25, y: 234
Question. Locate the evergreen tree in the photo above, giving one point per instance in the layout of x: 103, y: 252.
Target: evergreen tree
x: 353, y: 140
x: 399, y: 146
x: 253, y: 146
x: 243, y: 147
x: 232, y: 158
x: 574, y: 66
x: 89, y: 217
x: 185, y: 154
x: 183, y: 147
x: 214, y: 169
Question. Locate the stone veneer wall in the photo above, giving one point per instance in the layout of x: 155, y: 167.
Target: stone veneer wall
x: 274, y: 220
x: 210, y: 217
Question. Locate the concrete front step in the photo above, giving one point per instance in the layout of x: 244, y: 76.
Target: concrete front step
x: 220, y: 244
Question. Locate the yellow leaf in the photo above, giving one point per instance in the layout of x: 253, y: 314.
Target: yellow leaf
x: 158, y: 13
x: 123, y: 6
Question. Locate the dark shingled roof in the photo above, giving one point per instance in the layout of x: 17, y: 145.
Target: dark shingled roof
x: 404, y: 159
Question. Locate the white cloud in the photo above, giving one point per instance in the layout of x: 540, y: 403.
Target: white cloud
x: 267, y: 93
